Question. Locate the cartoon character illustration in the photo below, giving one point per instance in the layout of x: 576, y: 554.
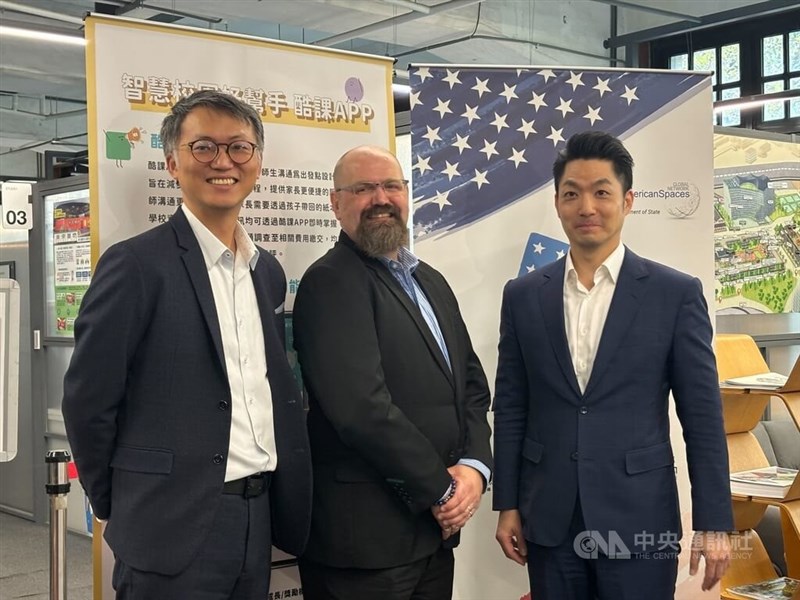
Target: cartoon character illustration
x: 120, y: 143
x: 354, y: 89
x: 134, y: 135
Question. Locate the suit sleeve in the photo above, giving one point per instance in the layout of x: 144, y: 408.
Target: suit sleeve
x: 340, y: 357
x: 510, y: 410
x: 695, y: 387
x: 109, y: 326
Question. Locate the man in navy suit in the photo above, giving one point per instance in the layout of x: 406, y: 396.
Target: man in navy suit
x: 180, y: 406
x: 590, y: 348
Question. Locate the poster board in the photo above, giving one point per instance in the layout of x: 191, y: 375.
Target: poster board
x: 756, y: 222
x: 314, y: 104
x: 483, y: 144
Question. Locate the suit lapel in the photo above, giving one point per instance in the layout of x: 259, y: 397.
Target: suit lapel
x: 266, y: 307
x: 627, y: 298
x: 408, y: 305
x: 552, y: 303
x: 433, y: 292
x: 198, y: 274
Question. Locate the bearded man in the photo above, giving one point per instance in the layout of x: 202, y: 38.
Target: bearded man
x: 397, y: 401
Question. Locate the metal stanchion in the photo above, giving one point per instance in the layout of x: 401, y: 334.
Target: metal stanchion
x: 58, y: 488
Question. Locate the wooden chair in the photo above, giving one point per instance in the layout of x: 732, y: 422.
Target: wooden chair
x: 742, y: 408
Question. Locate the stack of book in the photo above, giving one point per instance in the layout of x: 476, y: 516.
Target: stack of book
x: 767, y: 482
x: 783, y: 588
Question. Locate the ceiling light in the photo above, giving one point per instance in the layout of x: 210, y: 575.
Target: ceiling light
x: 41, y: 36
x: 421, y: 8
x: 754, y: 101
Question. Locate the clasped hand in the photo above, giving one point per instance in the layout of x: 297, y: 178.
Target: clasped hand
x: 455, y: 513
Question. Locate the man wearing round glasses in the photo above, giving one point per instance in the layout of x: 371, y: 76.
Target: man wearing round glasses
x: 180, y: 406
x: 216, y: 160
x: 397, y: 401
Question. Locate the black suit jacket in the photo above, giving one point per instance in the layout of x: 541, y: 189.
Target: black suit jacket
x: 387, y: 416
x: 610, y: 445
x: 147, y: 400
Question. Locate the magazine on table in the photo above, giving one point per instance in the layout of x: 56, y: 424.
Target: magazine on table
x: 762, y: 381
x: 768, y: 482
x: 783, y: 588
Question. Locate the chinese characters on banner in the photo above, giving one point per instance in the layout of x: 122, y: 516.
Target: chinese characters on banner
x: 315, y: 104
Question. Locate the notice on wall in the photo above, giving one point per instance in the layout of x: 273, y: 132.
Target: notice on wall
x: 71, y: 261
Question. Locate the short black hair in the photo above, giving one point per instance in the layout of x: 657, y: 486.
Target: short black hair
x: 213, y: 100
x: 599, y: 145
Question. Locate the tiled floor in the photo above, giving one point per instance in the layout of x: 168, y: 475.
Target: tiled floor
x: 25, y: 561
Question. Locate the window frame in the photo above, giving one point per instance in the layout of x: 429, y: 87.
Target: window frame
x: 749, y: 35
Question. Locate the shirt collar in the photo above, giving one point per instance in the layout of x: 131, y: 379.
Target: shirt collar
x: 213, y: 249
x: 612, y: 264
x: 405, y: 258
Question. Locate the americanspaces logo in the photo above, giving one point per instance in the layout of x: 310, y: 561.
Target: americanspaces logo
x: 679, y: 200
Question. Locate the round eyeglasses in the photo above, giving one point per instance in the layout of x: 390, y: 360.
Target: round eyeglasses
x: 367, y: 188
x: 206, y: 151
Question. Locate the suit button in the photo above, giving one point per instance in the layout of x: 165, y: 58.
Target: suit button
x: 574, y: 456
x: 218, y: 458
x: 223, y: 405
x: 583, y: 410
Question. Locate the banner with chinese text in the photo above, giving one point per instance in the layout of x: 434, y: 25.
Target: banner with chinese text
x: 315, y: 104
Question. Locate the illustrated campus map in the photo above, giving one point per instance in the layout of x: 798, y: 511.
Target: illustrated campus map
x: 756, y: 225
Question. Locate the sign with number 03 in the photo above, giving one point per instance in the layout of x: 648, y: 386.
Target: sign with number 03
x: 17, y: 208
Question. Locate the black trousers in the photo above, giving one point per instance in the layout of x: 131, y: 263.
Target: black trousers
x: 428, y: 579
x: 562, y: 573
x: 233, y: 563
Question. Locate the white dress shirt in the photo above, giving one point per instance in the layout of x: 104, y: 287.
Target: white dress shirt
x: 585, y: 311
x: 252, y: 444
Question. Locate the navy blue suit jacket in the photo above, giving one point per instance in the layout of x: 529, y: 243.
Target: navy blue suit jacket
x: 611, y: 444
x: 147, y: 401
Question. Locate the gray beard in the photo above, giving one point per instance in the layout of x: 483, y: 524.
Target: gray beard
x: 380, y: 239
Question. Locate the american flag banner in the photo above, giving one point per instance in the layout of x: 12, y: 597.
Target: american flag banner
x: 483, y: 141
x: 539, y: 251
x: 483, y: 138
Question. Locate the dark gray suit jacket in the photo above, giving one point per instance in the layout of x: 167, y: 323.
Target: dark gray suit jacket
x: 610, y: 444
x: 147, y: 401
x: 387, y: 416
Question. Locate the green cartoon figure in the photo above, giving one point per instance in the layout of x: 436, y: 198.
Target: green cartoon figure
x: 119, y: 144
